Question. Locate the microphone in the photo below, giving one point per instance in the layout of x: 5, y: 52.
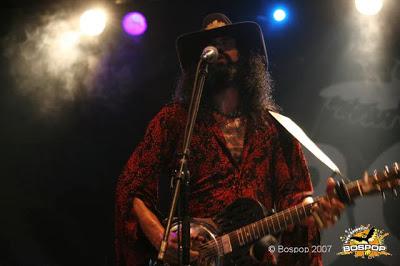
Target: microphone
x: 210, y: 54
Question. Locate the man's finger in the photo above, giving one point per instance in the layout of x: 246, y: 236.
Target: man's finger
x: 317, y: 219
x: 337, y: 203
x: 330, y: 185
x: 325, y: 217
x: 327, y: 213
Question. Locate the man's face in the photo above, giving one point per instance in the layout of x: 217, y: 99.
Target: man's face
x: 224, y: 73
x: 228, y: 52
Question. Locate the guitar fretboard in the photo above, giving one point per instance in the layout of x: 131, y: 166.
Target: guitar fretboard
x: 269, y: 225
x: 272, y: 224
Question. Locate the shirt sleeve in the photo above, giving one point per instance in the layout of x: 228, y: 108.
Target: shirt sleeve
x: 140, y: 179
x: 292, y: 185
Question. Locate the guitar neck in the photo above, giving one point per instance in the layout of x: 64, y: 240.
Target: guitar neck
x: 282, y: 220
x: 271, y: 224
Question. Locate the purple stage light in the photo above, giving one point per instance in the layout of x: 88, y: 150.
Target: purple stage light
x: 134, y: 23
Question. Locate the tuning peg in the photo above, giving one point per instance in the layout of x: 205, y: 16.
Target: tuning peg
x: 396, y: 167
x: 386, y: 172
x: 375, y: 176
x: 394, y: 192
x: 383, y: 196
x: 366, y: 177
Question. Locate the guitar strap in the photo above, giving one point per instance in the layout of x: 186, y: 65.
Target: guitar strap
x: 299, y: 134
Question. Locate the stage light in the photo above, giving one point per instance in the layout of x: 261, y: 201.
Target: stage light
x: 369, y: 7
x: 93, y: 22
x: 134, y: 23
x: 279, y: 14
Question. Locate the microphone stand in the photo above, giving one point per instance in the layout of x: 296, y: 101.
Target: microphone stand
x: 182, y: 178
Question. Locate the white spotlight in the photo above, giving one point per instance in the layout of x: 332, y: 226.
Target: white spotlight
x: 93, y: 22
x: 279, y: 14
x: 369, y: 7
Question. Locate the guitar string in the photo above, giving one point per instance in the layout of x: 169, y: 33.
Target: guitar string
x: 210, y: 247
x: 235, y: 237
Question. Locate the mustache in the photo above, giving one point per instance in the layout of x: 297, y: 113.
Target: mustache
x: 219, y: 74
x: 222, y: 55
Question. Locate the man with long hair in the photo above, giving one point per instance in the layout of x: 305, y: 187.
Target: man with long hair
x: 237, y: 151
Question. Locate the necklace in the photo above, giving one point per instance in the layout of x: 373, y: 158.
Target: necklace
x: 231, y: 115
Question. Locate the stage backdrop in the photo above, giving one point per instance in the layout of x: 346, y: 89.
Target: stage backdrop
x: 69, y: 123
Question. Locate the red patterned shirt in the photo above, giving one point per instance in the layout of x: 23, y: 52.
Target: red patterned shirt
x: 272, y: 170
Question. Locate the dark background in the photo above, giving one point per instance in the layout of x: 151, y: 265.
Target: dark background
x: 62, y: 148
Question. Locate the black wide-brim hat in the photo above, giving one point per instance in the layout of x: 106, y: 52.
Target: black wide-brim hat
x: 248, y: 36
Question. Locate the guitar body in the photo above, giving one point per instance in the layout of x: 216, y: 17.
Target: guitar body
x: 241, y: 212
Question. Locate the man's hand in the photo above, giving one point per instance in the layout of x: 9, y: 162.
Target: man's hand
x: 154, y: 232
x: 172, y: 250
x: 326, y: 211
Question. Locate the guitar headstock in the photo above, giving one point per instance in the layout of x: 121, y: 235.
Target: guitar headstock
x: 378, y: 182
x: 388, y: 179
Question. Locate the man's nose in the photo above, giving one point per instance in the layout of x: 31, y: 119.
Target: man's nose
x: 223, y: 57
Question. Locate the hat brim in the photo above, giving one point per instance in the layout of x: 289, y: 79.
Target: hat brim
x: 248, y: 36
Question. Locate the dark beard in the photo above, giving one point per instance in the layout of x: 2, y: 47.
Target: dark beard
x: 222, y: 76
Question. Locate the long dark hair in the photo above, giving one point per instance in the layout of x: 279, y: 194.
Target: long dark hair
x: 254, y: 83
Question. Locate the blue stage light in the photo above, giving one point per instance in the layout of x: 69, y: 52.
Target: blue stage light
x: 279, y: 14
